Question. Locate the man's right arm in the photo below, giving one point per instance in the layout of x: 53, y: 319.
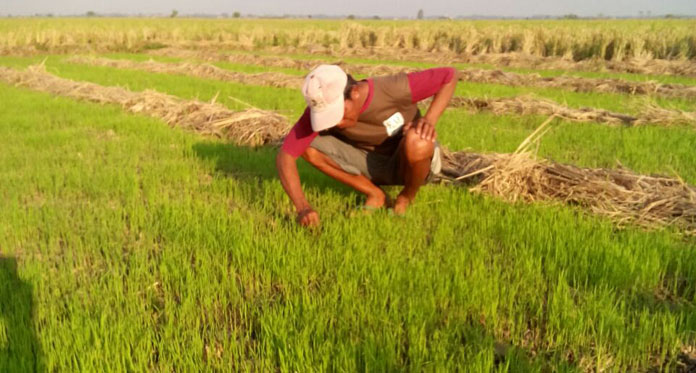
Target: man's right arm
x: 295, y: 144
x: 290, y: 178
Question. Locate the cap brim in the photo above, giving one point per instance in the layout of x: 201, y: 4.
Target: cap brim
x: 328, y: 117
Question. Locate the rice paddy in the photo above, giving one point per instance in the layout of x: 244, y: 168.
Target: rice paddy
x: 143, y: 227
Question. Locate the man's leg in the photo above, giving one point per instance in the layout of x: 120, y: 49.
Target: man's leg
x: 416, y: 155
x: 375, y: 195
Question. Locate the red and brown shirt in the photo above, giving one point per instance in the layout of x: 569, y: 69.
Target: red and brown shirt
x: 391, y: 103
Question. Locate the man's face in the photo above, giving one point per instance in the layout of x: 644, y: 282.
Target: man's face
x: 351, y: 111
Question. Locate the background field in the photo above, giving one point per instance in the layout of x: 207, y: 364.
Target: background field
x: 126, y: 244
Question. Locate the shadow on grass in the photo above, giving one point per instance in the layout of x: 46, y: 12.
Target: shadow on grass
x: 254, y: 164
x: 19, y: 348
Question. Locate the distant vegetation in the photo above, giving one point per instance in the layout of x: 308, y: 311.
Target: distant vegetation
x: 572, y: 38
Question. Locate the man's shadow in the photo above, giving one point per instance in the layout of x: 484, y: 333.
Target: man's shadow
x: 19, y: 348
x: 259, y: 164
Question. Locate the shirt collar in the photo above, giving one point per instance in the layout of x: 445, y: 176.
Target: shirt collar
x: 370, y: 92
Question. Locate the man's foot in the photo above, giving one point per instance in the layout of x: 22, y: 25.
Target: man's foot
x: 401, y: 204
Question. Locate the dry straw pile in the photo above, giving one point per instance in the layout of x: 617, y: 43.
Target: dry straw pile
x: 249, y: 127
x: 623, y: 196
x: 576, y: 84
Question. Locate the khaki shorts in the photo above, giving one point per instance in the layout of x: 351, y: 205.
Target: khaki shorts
x: 379, y: 168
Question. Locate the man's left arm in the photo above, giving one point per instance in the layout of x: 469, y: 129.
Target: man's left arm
x: 438, y: 83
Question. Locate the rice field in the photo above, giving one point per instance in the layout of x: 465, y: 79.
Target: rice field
x: 143, y: 226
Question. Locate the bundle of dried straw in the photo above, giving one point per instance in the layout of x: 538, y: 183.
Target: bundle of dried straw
x: 623, y: 196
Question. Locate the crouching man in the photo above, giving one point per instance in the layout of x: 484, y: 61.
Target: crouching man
x: 366, y: 133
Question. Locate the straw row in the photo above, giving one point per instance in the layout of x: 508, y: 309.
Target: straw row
x: 249, y: 127
x: 576, y: 84
x: 651, y: 114
x: 200, y: 70
x: 524, y: 105
x: 625, y: 197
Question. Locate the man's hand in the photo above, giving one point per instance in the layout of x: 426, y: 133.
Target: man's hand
x: 424, y: 128
x: 307, y: 217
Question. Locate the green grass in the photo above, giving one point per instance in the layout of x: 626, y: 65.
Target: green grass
x: 128, y: 245
x: 644, y: 149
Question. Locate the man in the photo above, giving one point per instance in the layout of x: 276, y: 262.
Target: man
x: 366, y: 133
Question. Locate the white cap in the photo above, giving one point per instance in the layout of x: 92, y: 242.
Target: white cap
x: 323, y: 90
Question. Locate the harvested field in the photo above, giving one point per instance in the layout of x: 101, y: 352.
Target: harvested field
x: 473, y: 75
x: 250, y: 127
x: 623, y: 196
x: 524, y: 105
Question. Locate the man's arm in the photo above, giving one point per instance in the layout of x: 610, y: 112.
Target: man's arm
x: 441, y: 82
x: 286, y: 165
x: 295, y: 144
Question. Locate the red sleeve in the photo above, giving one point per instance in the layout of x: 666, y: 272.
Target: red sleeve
x: 300, y: 136
x: 426, y: 83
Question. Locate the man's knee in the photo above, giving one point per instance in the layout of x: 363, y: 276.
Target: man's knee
x: 416, y: 148
x: 313, y: 156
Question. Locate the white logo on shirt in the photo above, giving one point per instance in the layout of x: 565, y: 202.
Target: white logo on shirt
x: 393, y: 123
